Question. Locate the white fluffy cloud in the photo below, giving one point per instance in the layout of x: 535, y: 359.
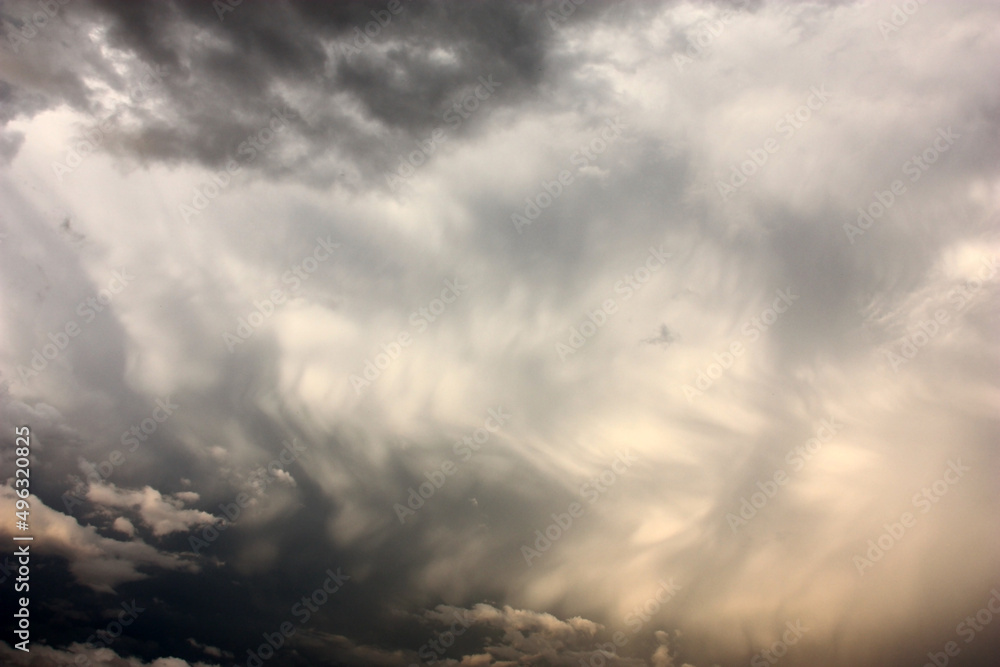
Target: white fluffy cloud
x: 163, y: 515
x: 76, y: 654
x: 95, y: 561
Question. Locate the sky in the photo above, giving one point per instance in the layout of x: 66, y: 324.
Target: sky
x: 500, y: 333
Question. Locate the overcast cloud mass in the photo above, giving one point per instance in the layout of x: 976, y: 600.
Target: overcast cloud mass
x: 501, y: 333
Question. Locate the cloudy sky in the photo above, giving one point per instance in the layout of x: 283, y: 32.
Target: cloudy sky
x: 497, y: 333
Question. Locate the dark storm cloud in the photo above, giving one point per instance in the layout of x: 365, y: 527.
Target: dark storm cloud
x: 363, y: 100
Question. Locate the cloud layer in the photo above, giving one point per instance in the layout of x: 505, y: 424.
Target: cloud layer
x: 692, y: 292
